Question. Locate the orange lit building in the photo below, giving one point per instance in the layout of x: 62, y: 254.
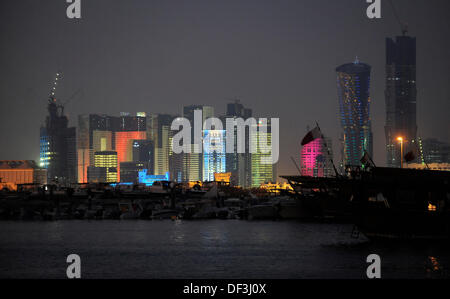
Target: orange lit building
x: 16, y: 172
x: 224, y: 177
x: 124, y: 146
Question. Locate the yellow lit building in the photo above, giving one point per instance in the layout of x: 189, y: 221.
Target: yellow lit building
x: 276, y: 187
x: 262, y: 170
x: 431, y: 166
x: 223, y: 177
x: 105, y: 167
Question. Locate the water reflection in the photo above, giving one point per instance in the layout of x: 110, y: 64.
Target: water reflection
x: 206, y: 249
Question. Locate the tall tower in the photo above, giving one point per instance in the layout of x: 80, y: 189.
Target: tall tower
x: 94, y: 132
x: 239, y: 164
x: 353, y: 83
x: 58, y: 142
x: 159, y: 132
x: 128, y: 129
x: 400, y: 95
x: 192, y: 163
x: 214, y: 159
x: 262, y: 173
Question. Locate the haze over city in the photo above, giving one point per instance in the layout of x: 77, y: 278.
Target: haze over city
x: 277, y: 57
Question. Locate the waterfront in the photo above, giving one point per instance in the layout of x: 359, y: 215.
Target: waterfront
x: 206, y: 249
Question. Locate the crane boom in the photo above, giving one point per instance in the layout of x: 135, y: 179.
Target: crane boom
x: 55, y: 83
x: 403, y: 25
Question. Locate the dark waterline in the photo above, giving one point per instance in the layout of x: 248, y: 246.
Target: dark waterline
x: 206, y: 249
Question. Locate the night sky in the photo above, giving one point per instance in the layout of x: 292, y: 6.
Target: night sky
x: 278, y: 57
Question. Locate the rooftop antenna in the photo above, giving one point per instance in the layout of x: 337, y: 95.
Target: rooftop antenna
x: 403, y: 25
x: 356, y: 60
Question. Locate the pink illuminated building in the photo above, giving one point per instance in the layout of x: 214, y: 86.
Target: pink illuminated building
x: 315, y: 160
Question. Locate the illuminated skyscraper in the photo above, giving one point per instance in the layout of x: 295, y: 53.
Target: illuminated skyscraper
x: 94, y: 131
x: 239, y: 164
x: 353, y: 83
x: 262, y: 170
x: 105, y: 167
x: 102, y: 141
x: 129, y: 171
x: 315, y: 158
x: 213, y: 153
x: 159, y: 132
x: 144, y: 152
x: 124, y: 146
x: 128, y: 122
x: 401, y: 96
x: 192, y: 164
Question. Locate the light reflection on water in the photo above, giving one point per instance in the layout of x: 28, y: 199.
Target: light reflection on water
x: 206, y: 249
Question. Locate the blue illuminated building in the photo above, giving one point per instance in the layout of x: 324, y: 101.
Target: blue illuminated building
x: 353, y: 83
x: 214, y: 160
x: 44, y: 149
x: 149, y: 179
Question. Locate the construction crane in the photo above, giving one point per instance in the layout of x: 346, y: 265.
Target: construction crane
x: 53, y: 90
x: 54, y: 106
x: 403, y: 25
x: 58, y: 104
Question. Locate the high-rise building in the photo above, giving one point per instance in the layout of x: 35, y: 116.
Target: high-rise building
x: 316, y: 157
x: 105, y: 167
x: 144, y: 152
x: 188, y: 112
x: 353, y: 83
x: 126, y: 122
x: 435, y: 151
x: 58, y: 145
x: 124, y: 146
x: 94, y: 131
x: 213, y: 153
x: 99, y: 132
x: 192, y: 163
x: 159, y: 132
x: 238, y: 110
x: 129, y: 171
x: 239, y: 164
x: 401, y: 96
x: 262, y: 170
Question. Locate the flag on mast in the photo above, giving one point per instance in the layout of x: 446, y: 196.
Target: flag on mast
x: 313, y: 134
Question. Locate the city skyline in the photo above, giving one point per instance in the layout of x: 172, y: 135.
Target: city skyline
x: 283, y: 78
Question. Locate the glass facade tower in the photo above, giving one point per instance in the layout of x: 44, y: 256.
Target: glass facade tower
x: 353, y: 83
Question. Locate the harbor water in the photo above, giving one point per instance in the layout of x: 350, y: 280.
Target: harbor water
x: 232, y: 249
